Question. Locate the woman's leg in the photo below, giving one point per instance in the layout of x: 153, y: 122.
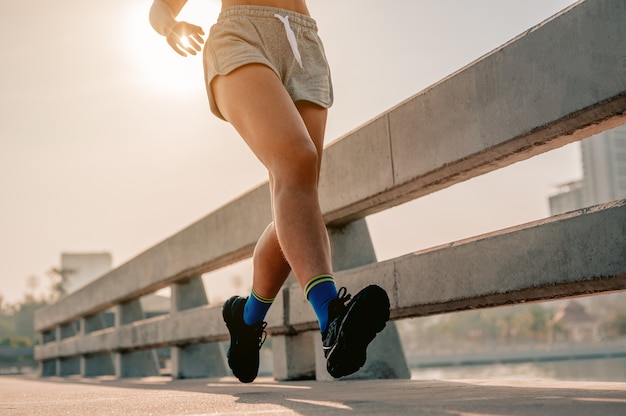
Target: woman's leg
x: 288, y: 139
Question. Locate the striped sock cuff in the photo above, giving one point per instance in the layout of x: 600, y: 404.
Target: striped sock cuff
x: 261, y: 298
x: 316, y: 281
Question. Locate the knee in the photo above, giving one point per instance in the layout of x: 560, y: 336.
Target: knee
x: 299, y: 166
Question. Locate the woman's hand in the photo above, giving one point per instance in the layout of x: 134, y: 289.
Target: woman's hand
x: 185, y: 38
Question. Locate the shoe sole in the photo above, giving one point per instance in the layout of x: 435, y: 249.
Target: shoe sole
x: 366, y: 316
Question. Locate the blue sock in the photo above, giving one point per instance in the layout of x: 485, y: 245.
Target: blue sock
x: 319, y: 292
x: 256, y: 308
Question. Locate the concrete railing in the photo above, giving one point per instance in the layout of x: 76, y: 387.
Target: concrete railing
x: 559, y: 82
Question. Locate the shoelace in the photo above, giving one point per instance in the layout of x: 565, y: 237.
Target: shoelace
x: 262, y: 334
x: 336, y: 308
x: 339, y: 303
x: 343, y: 295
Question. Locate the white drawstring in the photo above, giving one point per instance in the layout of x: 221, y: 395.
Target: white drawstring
x: 291, y: 37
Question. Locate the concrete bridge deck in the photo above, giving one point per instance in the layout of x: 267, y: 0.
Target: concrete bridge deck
x: 27, y: 395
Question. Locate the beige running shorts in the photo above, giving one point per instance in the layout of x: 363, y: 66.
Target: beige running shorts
x: 285, y: 41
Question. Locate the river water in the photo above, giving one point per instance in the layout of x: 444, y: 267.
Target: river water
x: 597, y: 369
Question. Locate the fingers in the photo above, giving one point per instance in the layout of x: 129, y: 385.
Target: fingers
x: 194, y: 43
x: 174, y: 45
x: 186, y: 38
x: 196, y: 39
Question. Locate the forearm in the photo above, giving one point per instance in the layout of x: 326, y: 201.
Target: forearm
x: 163, y: 14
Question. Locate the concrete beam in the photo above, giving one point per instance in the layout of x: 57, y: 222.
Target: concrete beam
x: 561, y: 81
x: 573, y: 254
x: 224, y: 236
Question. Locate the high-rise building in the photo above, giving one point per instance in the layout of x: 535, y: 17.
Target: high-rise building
x: 604, y: 173
x: 604, y: 166
x: 569, y: 197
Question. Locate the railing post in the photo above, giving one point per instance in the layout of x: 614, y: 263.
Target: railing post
x: 117, y: 364
x: 294, y: 356
x: 194, y: 360
x: 47, y: 367
x: 141, y: 363
x: 352, y: 247
x: 57, y: 338
x: 83, y: 358
x: 97, y: 364
x: 300, y: 356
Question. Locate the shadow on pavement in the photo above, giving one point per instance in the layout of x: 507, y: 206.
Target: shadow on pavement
x: 226, y: 396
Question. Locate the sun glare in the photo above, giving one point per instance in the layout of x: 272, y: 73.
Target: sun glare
x: 185, y: 41
x: 155, y: 63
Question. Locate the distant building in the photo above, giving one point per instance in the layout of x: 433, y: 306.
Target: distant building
x: 577, y: 323
x: 569, y: 197
x: 80, y: 269
x: 604, y: 173
x: 604, y: 166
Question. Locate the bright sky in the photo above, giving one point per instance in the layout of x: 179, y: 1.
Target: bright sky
x: 107, y: 142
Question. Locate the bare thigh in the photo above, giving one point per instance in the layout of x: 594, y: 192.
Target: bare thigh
x: 254, y: 101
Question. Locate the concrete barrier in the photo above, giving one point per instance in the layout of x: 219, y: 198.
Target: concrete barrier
x: 561, y: 81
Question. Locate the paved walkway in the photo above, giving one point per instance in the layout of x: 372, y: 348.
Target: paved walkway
x: 27, y: 395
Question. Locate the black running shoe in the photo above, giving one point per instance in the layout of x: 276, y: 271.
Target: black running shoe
x: 352, y: 327
x: 245, y: 340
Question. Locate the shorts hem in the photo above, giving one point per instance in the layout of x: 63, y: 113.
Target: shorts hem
x: 225, y: 71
